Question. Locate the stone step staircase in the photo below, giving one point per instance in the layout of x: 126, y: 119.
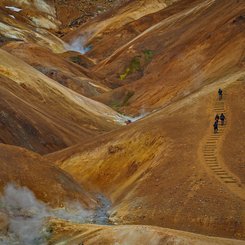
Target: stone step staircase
x: 210, y: 153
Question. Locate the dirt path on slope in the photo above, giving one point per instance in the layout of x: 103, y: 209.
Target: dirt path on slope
x: 211, y: 157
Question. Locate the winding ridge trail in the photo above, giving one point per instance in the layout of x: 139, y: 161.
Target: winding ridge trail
x: 212, y: 159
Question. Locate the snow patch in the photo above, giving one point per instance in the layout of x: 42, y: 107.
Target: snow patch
x: 40, y: 36
x: 15, y: 9
x: 12, y: 16
x: 41, y: 5
x: 94, y: 85
x: 11, y: 32
x: 98, y: 86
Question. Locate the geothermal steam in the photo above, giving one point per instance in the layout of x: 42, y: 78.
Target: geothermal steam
x: 28, y: 215
x: 78, y: 45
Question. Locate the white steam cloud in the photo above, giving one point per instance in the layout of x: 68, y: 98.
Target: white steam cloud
x: 123, y: 118
x: 28, y: 216
x: 141, y: 115
x: 78, y: 45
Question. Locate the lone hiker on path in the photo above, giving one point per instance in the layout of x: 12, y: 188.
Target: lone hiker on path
x: 216, y: 126
x: 217, y: 118
x: 220, y: 92
x: 128, y: 121
x: 222, y: 118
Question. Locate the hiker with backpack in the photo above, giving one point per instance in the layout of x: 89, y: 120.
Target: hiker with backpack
x: 220, y: 93
x: 217, y: 118
x: 215, y: 126
x: 222, y: 119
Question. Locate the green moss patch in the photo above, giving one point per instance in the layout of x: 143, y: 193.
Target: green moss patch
x: 137, y: 63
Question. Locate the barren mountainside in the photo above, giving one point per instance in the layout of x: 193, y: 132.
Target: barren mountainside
x: 107, y: 118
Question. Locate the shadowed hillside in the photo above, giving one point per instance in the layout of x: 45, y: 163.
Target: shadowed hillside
x: 65, y: 72
x: 42, y: 115
x: 49, y: 183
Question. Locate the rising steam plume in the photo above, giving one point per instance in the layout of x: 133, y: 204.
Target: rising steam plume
x: 28, y: 216
x: 78, y: 45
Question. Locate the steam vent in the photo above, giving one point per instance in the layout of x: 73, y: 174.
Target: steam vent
x: 122, y: 122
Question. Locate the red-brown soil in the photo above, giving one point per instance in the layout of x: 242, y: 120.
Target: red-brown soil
x: 42, y: 115
x: 49, y: 183
x: 56, y: 67
x: 189, y: 46
x: 165, y: 171
x: 154, y: 173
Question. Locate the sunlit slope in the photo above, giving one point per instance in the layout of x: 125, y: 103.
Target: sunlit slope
x: 38, y: 13
x: 121, y: 35
x: 58, y: 68
x: 49, y: 183
x: 128, y: 12
x: 190, y: 45
x: 137, y: 235
x: 154, y: 171
x: 41, y: 114
x: 30, y: 21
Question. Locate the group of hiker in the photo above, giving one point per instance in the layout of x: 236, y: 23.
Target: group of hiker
x: 218, y: 117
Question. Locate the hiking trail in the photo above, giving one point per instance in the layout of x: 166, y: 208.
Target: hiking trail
x: 213, y: 160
